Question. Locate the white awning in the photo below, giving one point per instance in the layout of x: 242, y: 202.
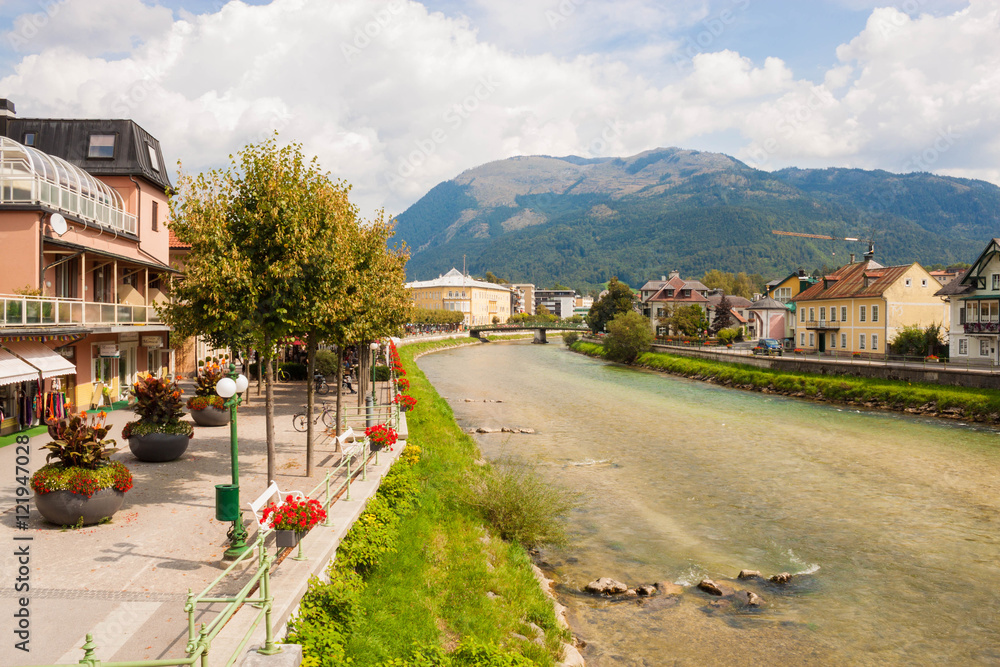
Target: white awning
x: 14, y: 370
x: 46, y: 360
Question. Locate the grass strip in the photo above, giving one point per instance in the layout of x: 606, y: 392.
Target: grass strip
x: 441, y: 590
x: 972, y: 404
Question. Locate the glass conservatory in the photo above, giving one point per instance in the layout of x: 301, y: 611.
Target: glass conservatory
x: 29, y: 176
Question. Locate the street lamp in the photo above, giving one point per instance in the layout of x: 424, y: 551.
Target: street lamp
x: 227, y: 496
x: 370, y: 400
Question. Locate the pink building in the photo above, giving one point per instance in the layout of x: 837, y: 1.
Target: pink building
x: 84, y: 246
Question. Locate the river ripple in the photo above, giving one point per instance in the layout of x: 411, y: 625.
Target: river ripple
x: 891, y: 520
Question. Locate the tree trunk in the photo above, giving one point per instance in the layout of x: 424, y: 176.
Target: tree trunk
x: 340, y: 384
x: 269, y: 406
x: 310, y: 398
x: 362, y: 376
x: 245, y: 359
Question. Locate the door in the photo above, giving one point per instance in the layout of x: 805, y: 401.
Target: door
x: 822, y: 342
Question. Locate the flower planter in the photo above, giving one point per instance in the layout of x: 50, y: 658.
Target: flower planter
x: 210, y: 417
x: 65, y: 508
x: 158, y: 447
x: 289, y: 538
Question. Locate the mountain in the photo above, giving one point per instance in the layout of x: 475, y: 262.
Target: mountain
x: 579, y: 221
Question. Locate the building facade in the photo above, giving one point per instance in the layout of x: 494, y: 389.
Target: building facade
x: 974, y: 306
x: 525, y: 298
x: 481, y: 302
x: 862, y: 306
x: 559, y: 302
x: 84, y: 241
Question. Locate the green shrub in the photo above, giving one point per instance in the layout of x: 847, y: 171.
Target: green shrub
x: 371, y: 536
x: 326, y: 362
x: 519, y: 505
x: 570, y: 337
x: 399, y: 488
x: 628, y: 337
x: 325, y: 616
x: 381, y: 373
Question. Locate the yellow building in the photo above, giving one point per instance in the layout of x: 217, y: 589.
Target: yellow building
x: 480, y: 301
x: 862, y: 306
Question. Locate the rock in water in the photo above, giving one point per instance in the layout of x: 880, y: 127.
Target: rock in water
x: 782, y: 578
x: 748, y: 574
x: 710, y: 587
x: 606, y: 586
x: 668, y: 588
x: 646, y: 591
x: 754, y: 600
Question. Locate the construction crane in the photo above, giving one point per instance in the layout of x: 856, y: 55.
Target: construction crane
x: 870, y: 241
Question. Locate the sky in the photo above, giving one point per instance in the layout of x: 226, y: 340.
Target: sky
x: 397, y: 96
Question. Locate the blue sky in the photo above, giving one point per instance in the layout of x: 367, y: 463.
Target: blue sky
x: 398, y: 95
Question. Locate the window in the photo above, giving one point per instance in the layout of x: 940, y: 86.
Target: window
x: 923, y: 282
x: 861, y: 341
x: 812, y: 314
x: 833, y: 314
x: 156, y: 215
x: 972, y: 311
x: 861, y: 313
x: 833, y: 341
x: 874, y: 316
x: 996, y: 281
x: 812, y: 339
x: 843, y: 340
x: 984, y: 348
x: 802, y: 315
x: 783, y: 294
x: 963, y: 346
x: 843, y: 313
x: 101, y: 146
x: 153, y: 160
x: 29, y: 139
x: 874, y: 341
x: 802, y: 339
x: 908, y: 282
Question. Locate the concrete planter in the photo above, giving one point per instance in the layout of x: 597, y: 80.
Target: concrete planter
x: 65, y: 508
x: 158, y: 447
x: 210, y: 417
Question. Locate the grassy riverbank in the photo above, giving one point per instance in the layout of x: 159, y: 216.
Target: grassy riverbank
x: 982, y: 405
x: 434, y: 586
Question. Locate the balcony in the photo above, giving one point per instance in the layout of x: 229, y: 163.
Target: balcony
x: 35, y: 311
x: 823, y: 325
x: 981, y: 327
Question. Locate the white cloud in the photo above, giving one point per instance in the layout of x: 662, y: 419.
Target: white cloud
x: 396, y: 98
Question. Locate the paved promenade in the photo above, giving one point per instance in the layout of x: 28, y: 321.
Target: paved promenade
x: 126, y: 582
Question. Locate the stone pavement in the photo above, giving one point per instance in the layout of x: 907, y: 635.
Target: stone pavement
x: 126, y: 582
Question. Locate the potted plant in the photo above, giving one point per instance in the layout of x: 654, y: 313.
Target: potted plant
x: 380, y: 436
x: 159, y: 434
x: 405, y: 403
x: 79, y: 483
x: 206, y: 406
x: 293, y: 518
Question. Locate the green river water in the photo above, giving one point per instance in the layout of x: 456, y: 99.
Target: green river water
x: 890, y: 522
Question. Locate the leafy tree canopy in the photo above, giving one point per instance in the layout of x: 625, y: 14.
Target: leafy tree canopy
x: 618, y: 299
x: 628, y: 336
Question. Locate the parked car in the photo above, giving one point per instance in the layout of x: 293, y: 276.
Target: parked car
x: 768, y: 346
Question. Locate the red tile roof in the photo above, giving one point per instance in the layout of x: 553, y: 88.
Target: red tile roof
x: 849, y: 281
x: 176, y: 242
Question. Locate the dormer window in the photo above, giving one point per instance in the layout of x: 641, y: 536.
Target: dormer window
x: 102, y: 146
x: 29, y: 138
x: 154, y: 161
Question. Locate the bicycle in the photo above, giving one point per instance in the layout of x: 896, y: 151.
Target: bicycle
x: 321, y: 385
x: 329, y: 416
x: 283, y: 375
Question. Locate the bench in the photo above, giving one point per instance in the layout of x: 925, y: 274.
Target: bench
x: 258, y: 505
x: 356, y: 446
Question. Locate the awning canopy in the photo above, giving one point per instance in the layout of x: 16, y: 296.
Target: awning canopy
x: 49, y: 362
x: 14, y: 370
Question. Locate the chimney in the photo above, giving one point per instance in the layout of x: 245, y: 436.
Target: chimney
x: 802, y: 273
x: 852, y: 258
x: 675, y: 274
x: 663, y: 279
x: 6, y: 113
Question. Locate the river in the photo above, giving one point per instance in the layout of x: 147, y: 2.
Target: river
x: 890, y: 522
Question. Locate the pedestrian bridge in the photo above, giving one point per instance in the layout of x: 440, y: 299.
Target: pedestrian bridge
x: 539, y: 329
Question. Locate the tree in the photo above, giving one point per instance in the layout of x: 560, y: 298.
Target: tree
x: 618, y: 299
x: 490, y: 278
x: 736, y: 284
x: 628, y: 337
x: 911, y: 340
x: 686, y: 320
x: 723, y: 316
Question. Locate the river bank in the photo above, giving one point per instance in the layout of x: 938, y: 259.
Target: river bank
x: 445, y: 590
x: 946, y: 402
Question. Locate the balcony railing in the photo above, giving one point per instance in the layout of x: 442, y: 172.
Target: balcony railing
x: 823, y: 324
x: 26, y: 311
x: 982, y: 327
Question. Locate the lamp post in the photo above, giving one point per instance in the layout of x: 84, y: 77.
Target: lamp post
x: 370, y: 400
x: 227, y: 496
